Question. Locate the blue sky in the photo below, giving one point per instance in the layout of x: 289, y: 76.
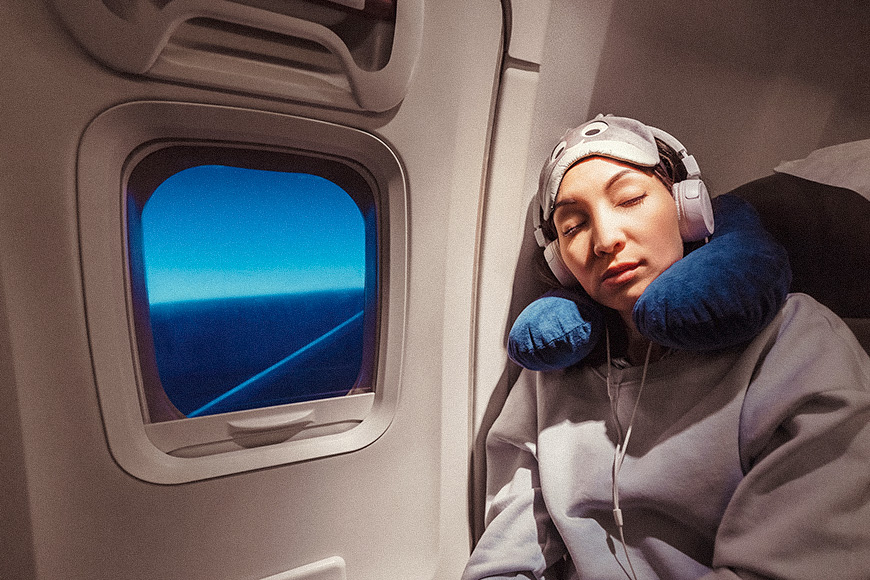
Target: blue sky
x: 215, y: 231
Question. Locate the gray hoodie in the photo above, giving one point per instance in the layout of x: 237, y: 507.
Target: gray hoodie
x: 751, y: 462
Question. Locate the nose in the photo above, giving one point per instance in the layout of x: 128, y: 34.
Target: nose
x: 607, y: 236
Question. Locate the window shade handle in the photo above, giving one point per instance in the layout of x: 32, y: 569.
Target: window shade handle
x: 260, y: 431
x: 298, y: 420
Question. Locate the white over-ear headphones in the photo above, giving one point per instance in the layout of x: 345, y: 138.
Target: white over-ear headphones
x: 626, y: 140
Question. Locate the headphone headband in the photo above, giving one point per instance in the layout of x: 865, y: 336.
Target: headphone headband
x: 692, y: 169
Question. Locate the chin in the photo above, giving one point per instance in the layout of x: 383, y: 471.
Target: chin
x: 623, y: 302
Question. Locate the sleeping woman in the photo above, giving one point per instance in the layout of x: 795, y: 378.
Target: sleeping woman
x: 646, y: 461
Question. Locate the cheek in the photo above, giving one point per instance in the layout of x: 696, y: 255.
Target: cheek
x: 666, y: 241
x: 670, y: 255
x: 578, y: 258
x: 574, y: 256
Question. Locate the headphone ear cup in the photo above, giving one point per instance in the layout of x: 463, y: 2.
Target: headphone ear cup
x: 557, y: 265
x: 694, y: 210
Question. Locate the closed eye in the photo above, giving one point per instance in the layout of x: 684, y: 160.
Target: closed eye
x: 634, y: 201
x: 570, y: 229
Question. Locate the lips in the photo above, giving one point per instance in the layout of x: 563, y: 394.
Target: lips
x: 619, y: 273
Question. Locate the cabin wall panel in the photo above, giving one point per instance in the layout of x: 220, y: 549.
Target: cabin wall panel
x: 742, y: 85
x: 90, y: 519
x: 16, y: 540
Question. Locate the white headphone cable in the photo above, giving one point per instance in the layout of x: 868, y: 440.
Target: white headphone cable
x: 622, y: 445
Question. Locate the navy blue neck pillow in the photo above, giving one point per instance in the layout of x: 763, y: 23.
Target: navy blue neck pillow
x: 719, y: 295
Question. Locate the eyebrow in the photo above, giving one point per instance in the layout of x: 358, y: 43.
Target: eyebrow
x: 607, y: 186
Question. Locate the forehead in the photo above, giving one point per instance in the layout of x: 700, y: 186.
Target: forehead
x: 599, y: 176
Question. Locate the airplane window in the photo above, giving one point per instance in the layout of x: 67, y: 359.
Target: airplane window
x: 252, y: 276
x: 244, y: 276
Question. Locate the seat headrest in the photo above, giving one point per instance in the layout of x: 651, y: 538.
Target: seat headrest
x: 826, y: 231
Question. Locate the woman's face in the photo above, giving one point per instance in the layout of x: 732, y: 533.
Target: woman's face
x: 618, y: 230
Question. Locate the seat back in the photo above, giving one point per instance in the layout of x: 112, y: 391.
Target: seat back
x: 826, y: 231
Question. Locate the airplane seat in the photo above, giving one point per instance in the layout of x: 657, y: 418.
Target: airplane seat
x: 825, y: 228
x: 527, y: 286
x: 819, y: 209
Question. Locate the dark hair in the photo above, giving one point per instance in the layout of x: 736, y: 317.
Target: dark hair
x: 670, y: 169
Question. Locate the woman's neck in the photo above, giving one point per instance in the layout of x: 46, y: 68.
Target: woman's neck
x: 638, y: 344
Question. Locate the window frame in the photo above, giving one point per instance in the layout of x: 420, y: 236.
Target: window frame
x: 215, y: 445
x: 154, y: 163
